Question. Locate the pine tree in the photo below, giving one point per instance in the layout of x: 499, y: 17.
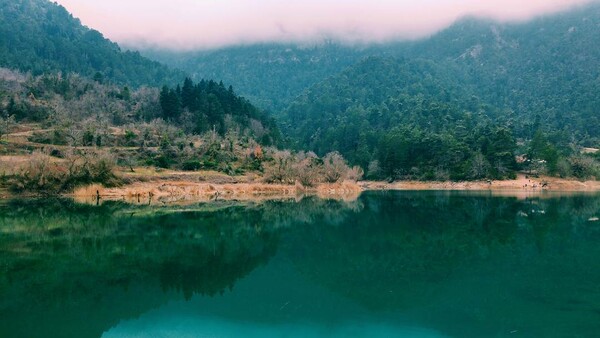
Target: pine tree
x: 187, y: 93
x: 170, y: 103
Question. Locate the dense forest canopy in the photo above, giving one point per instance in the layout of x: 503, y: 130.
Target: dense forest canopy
x: 271, y: 75
x: 40, y: 36
x: 208, y: 105
x: 407, y: 117
x: 544, y: 71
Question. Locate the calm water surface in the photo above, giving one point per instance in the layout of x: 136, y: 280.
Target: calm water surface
x: 391, y: 264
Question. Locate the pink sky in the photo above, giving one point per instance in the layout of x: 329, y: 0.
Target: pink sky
x: 201, y: 24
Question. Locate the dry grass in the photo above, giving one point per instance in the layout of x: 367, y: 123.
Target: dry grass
x: 14, y: 164
x: 347, y: 191
x: 521, y: 184
x: 89, y: 191
x: 179, y: 191
x: 155, y: 174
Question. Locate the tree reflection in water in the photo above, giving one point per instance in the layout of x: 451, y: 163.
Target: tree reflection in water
x: 451, y: 260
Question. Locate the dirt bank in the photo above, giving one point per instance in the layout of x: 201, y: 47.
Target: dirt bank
x: 164, y: 191
x: 522, y: 183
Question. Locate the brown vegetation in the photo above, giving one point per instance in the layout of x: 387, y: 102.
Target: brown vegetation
x: 41, y: 173
x: 522, y: 183
x: 163, y: 191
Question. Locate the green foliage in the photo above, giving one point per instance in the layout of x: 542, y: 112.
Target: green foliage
x: 541, y: 149
x: 162, y: 161
x: 477, y: 74
x: 270, y: 75
x: 210, y: 106
x: 191, y: 165
x: 130, y: 137
x: 545, y: 71
x: 406, y: 115
x: 40, y: 36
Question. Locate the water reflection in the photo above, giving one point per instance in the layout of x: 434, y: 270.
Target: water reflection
x: 83, y: 269
x: 468, y: 266
x: 458, y: 264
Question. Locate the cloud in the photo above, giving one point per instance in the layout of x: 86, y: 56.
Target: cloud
x: 203, y: 24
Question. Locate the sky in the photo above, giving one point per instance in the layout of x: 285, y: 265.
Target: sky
x: 209, y: 24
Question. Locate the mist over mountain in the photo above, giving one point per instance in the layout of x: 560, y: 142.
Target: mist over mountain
x: 39, y: 36
x: 271, y: 75
x: 476, y: 77
x: 547, y: 67
x: 457, y: 105
x: 188, y: 25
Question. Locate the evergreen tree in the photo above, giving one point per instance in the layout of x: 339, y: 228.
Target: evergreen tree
x: 187, y: 93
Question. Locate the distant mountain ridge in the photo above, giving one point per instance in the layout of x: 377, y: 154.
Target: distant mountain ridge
x: 40, y: 36
x: 554, y: 56
x: 271, y: 75
x: 547, y: 68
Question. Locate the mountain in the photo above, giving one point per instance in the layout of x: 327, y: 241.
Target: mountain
x: 40, y: 36
x: 208, y: 105
x: 408, y: 118
x: 375, y: 94
x: 270, y: 75
x: 547, y: 69
x: 462, y: 97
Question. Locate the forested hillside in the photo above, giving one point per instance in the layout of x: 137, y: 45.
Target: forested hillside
x: 404, y: 119
x: 462, y: 104
x: 270, y: 75
x: 424, y: 119
x: 543, y: 72
x: 208, y: 105
x: 39, y: 36
x: 546, y: 70
x: 75, y: 109
x: 434, y: 112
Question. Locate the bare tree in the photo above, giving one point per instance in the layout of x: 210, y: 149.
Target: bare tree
x: 356, y: 173
x: 74, y: 134
x: 334, y: 167
x: 281, y: 170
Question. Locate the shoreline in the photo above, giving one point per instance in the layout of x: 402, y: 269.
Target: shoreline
x: 177, y: 192
x: 521, y: 184
x: 182, y: 190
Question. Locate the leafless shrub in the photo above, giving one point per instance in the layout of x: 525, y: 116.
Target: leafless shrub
x: 308, y: 172
x: 355, y: 174
x: 334, y: 167
x: 479, y: 166
x: 281, y: 169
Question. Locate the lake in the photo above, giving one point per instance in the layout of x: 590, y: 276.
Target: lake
x: 390, y: 264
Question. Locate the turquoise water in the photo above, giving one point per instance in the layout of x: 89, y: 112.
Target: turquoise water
x: 391, y: 264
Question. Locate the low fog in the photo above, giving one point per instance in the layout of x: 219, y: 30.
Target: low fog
x: 207, y: 24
